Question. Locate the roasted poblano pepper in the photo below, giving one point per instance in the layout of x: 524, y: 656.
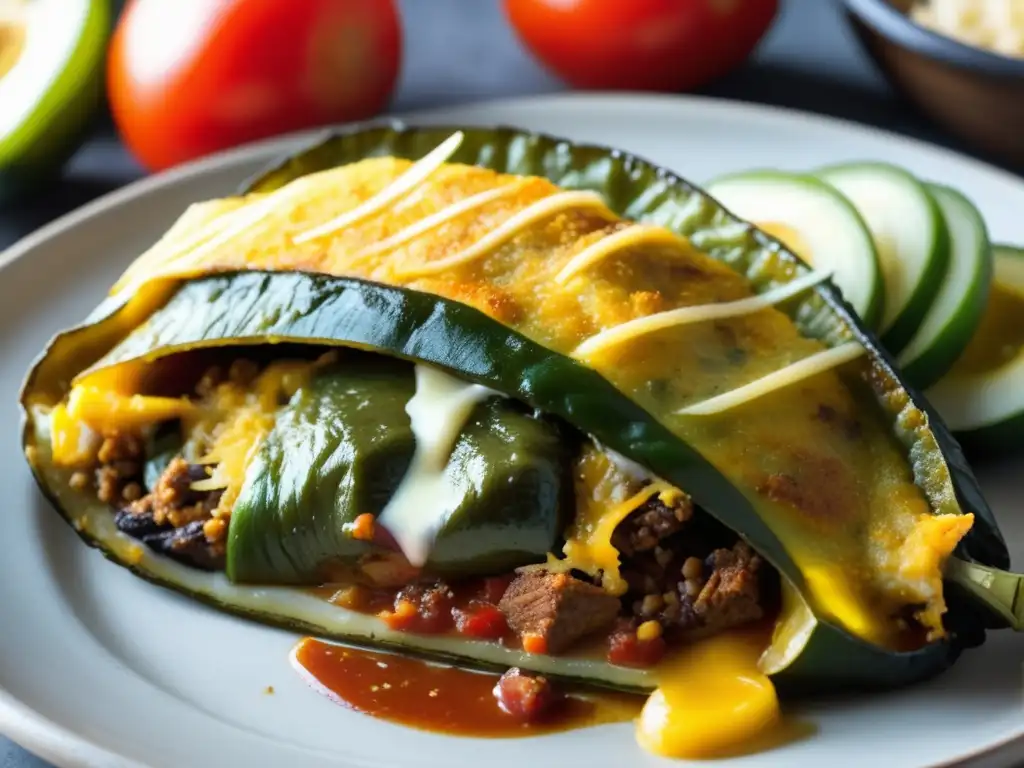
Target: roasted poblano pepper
x: 339, y: 449
x: 833, y: 470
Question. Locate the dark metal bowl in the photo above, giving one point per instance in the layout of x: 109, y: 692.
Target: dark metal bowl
x: 976, y: 94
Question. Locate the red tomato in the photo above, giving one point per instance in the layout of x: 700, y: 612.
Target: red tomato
x: 481, y: 620
x: 652, y: 45
x: 626, y: 650
x: 188, y: 78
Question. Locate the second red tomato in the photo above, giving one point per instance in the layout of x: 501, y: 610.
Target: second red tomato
x: 189, y: 78
x: 657, y: 45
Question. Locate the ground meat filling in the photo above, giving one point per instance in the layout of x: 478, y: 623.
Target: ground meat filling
x: 688, y: 577
x: 682, y: 584
x: 696, y: 580
x: 118, y: 476
x: 177, y: 521
x: 650, y: 523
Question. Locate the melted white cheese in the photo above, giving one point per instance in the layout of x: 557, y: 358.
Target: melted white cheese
x: 435, y: 220
x: 542, y: 209
x: 784, y: 377
x: 625, y: 238
x: 413, y: 176
x: 686, y: 315
x: 424, y: 499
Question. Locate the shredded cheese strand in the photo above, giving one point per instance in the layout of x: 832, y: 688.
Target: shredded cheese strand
x: 688, y: 315
x: 542, y: 209
x: 435, y: 220
x: 802, y: 369
x: 606, y: 246
x: 172, y: 245
x: 235, y: 223
x: 413, y: 176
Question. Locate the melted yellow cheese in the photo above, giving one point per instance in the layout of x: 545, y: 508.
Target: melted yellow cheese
x: 440, y: 218
x: 234, y: 422
x: 711, y: 699
x: 921, y: 558
x: 415, y: 175
x: 702, y: 313
x: 106, y: 410
x: 630, y: 237
x: 73, y: 443
x: 606, y: 493
x: 542, y: 209
x: 198, y: 224
x: 780, y: 379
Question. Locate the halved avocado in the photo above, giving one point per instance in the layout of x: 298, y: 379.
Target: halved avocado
x: 51, y: 65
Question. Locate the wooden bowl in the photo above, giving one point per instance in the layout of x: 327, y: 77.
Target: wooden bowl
x: 975, y: 94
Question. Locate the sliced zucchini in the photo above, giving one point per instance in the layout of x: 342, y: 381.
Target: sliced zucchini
x: 956, y: 309
x: 910, y: 238
x: 982, y: 397
x: 817, y: 223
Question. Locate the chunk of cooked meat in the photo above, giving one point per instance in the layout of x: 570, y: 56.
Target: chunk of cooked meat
x: 524, y: 696
x: 655, y: 519
x: 731, y: 596
x: 557, y: 608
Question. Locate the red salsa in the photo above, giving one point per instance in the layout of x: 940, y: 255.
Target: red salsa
x: 448, y: 700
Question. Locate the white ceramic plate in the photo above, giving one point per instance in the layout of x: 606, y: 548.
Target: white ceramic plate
x: 100, y: 668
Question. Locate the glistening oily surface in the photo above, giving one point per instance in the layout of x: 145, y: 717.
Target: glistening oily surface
x: 111, y: 667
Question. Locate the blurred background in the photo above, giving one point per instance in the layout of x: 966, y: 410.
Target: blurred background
x: 807, y: 56
x: 166, y: 87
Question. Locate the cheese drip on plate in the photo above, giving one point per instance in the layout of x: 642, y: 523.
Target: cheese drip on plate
x: 438, y: 410
x: 711, y: 699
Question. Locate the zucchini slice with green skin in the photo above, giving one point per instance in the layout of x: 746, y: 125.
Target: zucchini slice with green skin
x: 956, y: 309
x: 910, y: 237
x: 829, y: 232
x: 266, y: 308
x: 982, y: 396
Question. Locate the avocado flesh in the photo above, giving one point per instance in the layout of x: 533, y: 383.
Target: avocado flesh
x: 50, y: 110
x: 12, y: 40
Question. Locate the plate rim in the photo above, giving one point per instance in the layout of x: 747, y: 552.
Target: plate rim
x: 53, y: 742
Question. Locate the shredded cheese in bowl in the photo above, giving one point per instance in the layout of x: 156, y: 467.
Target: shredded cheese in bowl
x: 996, y: 25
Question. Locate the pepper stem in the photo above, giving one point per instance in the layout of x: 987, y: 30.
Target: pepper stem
x: 1001, y: 591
